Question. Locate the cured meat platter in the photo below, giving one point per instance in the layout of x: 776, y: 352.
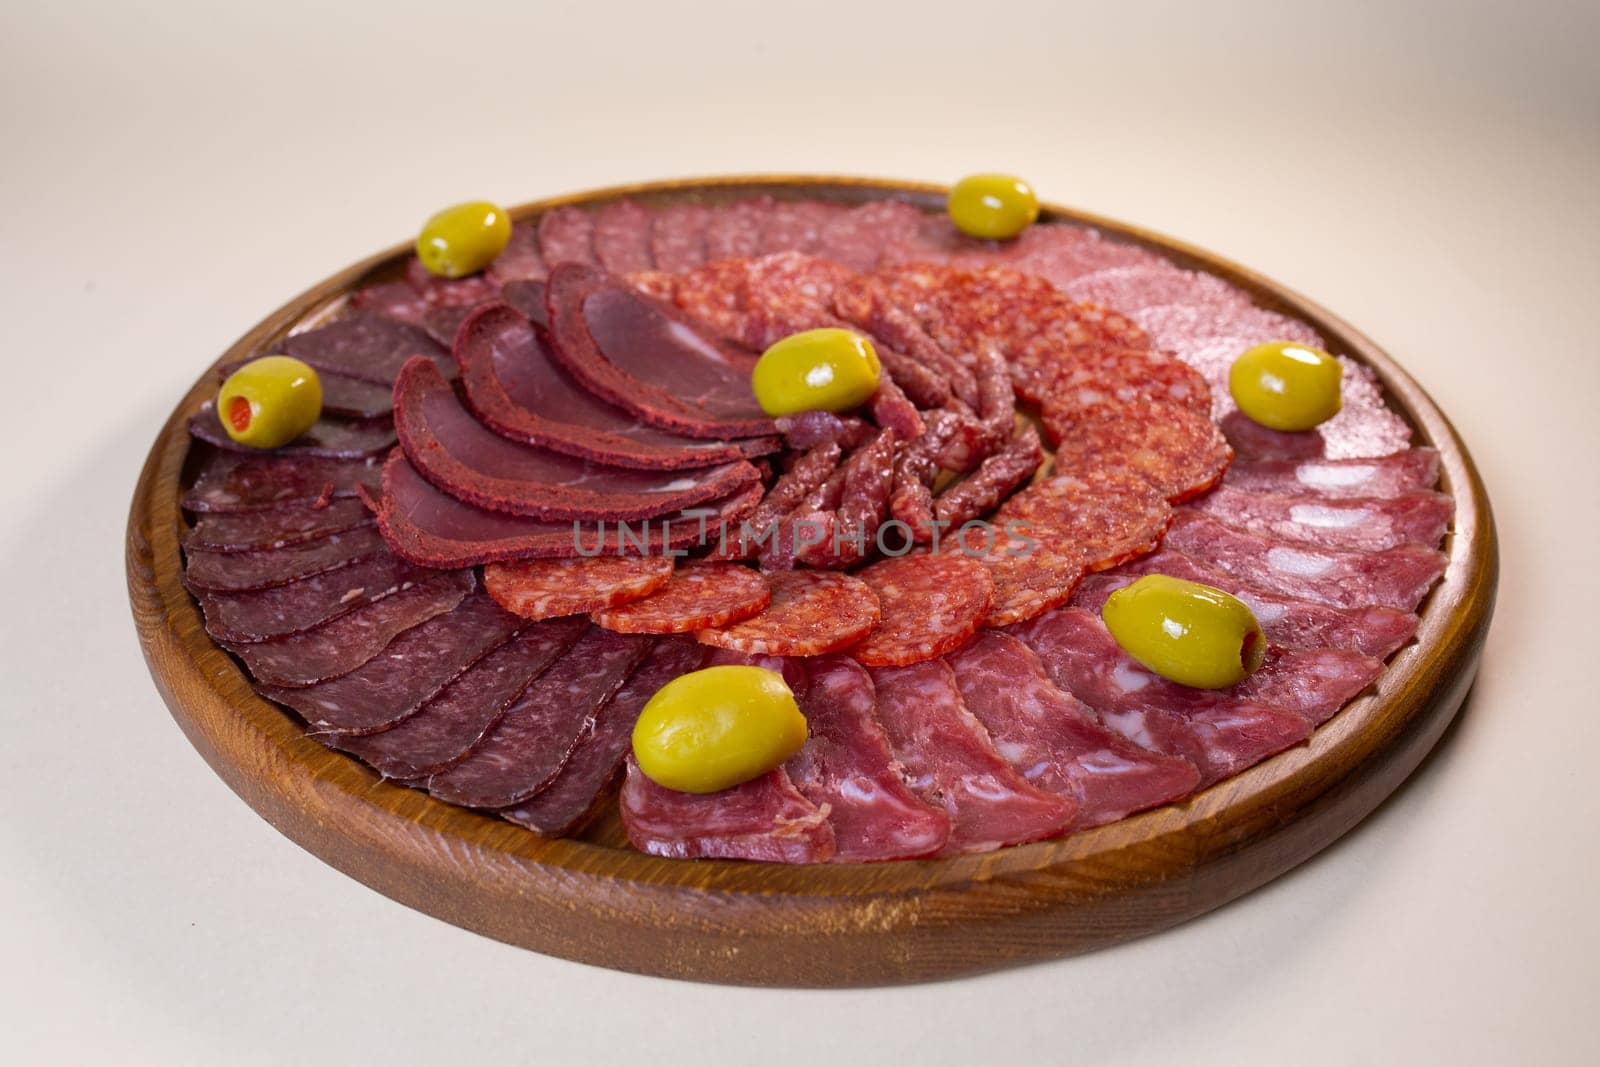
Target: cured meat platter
x: 347, y: 586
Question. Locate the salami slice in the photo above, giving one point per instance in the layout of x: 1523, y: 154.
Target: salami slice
x: 1368, y: 524
x: 847, y: 769
x: 363, y: 345
x: 566, y: 235
x: 329, y: 437
x: 521, y: 259
x: 796, y: 225
x: 809, y: 429
x: 811, y: 613
x: 857, y: 237
x: 1178, y: 452
x: 405, y: 673
x: 622, y: 237
x: 1381, y: 476
x: 766, y: 819
x: 678, y: 240
x: 549, y: 588
x: 1132, y: 289
x: 299, y: 606
x: 230, y: 481
x: 1063, y: 253
x: 530, y: 745
x: 440, y: 732
x: 280, y: 527
x: 734, y: 230
x: 1055, y: 742
x: 1126, y: 376
x: 996, y: 477
x: 340, y: 646
x: 395, y: 300
x: 235, y: 572
x: 951, y: 763
x: 930, y: 605
x: 698, y: 596
x: 562, y: 806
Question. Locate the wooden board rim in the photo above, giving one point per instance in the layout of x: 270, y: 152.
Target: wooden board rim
x: 836, y: 924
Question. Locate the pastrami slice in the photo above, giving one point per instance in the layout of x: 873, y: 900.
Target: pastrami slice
x: 235, y: 572
x: 329, y: 437
x: 280, y: 527
x: 231, y: 481
x: 261, y: 615
x: 363, y: 345
x: 1361, y: 524
x: 766, y: 819
x: 1380, y: 476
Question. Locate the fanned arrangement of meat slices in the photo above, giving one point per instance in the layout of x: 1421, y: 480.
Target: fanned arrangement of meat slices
x: 539, y: 493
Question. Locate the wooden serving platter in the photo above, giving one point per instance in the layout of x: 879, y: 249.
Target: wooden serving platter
x: 592, y: 899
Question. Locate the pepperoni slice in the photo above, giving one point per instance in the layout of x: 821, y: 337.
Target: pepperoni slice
x: 550, y: 588
x: 812, y: 613
x: 930, y: 604
x: 698, y: 596
x: 1180, y: 453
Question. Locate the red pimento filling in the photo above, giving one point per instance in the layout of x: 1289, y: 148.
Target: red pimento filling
x: 239, y: 414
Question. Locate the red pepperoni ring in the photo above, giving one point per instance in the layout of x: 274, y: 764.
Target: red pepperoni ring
x: 930, y: 605
x: 698, y: 596
x: 1179, y: 452
x: 812, y: 613
x: 549, y: 588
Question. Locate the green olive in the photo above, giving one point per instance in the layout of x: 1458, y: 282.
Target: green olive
x: 270, y: 401
x: 993, y: 206
x: 464, y: 239
x: 712, y: 729
x: 1189, y: 633
x: 818, y: 370
x: 1286, y: 386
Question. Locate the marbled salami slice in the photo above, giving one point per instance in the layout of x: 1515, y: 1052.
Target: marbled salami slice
x: 566, y: 235
x: 766, y: 819
x: 563, y: 806
x: 678, y: 240
x: 329, y: 437
x: 1382, y: 476
x: 848, y: 769
x: 235, y: 572
x: 1126, y: 376
x: 440, y: 732
x: 1132, y: 289
x: 1055, y: 742
x: 232, y: 481
x: 930, y: 605
x: 1395, y: 578
x: 622, y: 237
x: 339, y: 647
x: 791, y: 489
x: 996, y: 477
x: 809, y: 429
x: 857, y: 237
x: 1063, y: 252
x: 261, y: 615
x: 530, y: 745
x: 363, y: 345
x: 1368, y: 524
x: 796, y: 225
x: 521, y: 259
x: 811, y: 613
x: 1180, y: 453
x: 734, y: 231
x: 697, y: 596
x: 951, y: 762
x: 280, y: 527
x: 549, y: 588
x: 395, y: 300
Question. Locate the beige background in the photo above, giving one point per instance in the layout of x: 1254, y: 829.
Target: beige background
x: 172, y: 171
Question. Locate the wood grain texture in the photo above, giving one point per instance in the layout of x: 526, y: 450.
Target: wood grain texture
x: 592, y: 900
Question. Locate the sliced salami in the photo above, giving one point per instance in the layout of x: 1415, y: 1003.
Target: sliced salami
x: 329, y: 437
x: 1123, y: 375
x: 952, y: 764
x: 811, y: 613
x: 1132, y: 289
x: 1382, y: 476
x: 562, y: 806
x: 235, y: 572
x: 1368, y: 524
x: 549, y: 588
x: 791, y: 489
x: 796, y: 225
x: 363, y: 345
x: 299, y: 606
x: 280, y: 527
x: 766, y: 819
x: 622, y: 237
x: 848, y: 770
x: 521, y: 259
x: 232, y: 482
x: 566, y: 235
x: 857, y: 237
x: 678, y: 239
x: 930, y: 605
x: 1063, y: 253
x: 698, y: 596
x: 996, y: 477
x: 531, y: 743
x: 1178, y: 452
x: 734, y: 231
x: 810, y: 429
x: 395, y: 300
x: 1055, y: 742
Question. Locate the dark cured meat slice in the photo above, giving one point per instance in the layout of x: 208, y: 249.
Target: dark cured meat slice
x: 298, y: 606
x: 632, y: 351
x: 340, y: 646
x: 1180, y: 453
x: 550, y: 588
x: 697, y: 596
x: 434, y: 529
x: 346, y: 397
x: 1368, y: 524
x: 563, y: 805
x: 362, y: 345
x: 983, y: 489
x: 231, y: 481
x: 622, y: 237
x: 438, y: 733
x: 449, y: 292
x: 930, y: 605
x: 329, y: 438
x: 520, y: 260
x: 444, y: 323
x: 849, y: 533
x: 734, y: 231
x: 678, y: 239
x: 811, y: 613
x: 281, y: 527
x: 847, y: 768
x: 1392, y: 475
x: 1286, y: 621
x: 515, y: 388
x: 1395, y: 578
x: 566, y: 235
x: 404, y: 674
x: 396, y: 300
x: 1220, y: 737
x: 1055, y: 742
x: 812, y: 428
x: 528, y: 297
x: 951, y: 763
x: 459, y: 455
x: 530, y: 745
x: 766, y: 819
x: 235, y: 572
x: 1255, y: 442
x: 791, y: 489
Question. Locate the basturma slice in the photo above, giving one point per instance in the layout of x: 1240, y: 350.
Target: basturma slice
x: 434, y: 529
x: 442, y: 731
x: 929, y: 605
x: 571, y: 798
x: 549, y: 588
x: 811, y: 613
x: 340, y: 646
x: 330, y: 438
x: 261, y: 615
x: 458, y: 454
x: 234, y: 572
x: 847, y: 767
x: 530, y: 745
x: 697, y: 596
x: 363, y: 345
x: 764, y: 819
x: 1381, y: 476
x: 1055, y: 742
x: 282, y: 527
x: 231, y: 482
x: 514, y: 386
x: 1361, y: 524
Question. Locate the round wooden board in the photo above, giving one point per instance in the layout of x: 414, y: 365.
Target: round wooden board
x: 593, y: 900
